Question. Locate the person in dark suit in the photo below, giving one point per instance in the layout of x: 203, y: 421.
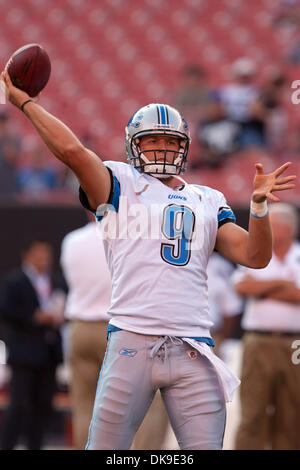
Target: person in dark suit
x: 29, y: 305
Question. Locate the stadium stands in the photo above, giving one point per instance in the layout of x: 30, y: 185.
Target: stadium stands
x: 109, y: 58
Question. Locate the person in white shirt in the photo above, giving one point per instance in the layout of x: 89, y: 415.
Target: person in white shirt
x: 270, y: 399
x: 239, y: 105
x: 158, y: 233
x: 225, y: 305
x: 85, y: 270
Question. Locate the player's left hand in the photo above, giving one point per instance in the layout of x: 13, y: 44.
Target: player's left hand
x: 264, y: 185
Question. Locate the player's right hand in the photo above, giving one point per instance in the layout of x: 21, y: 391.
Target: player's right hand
x: 16, y: 96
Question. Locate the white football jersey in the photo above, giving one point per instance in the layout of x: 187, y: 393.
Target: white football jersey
x: 158, y: 241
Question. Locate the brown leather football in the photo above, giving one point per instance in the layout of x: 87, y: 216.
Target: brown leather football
x: 29, y: 68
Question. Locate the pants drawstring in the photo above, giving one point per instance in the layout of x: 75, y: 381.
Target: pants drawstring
x: 161, y: 343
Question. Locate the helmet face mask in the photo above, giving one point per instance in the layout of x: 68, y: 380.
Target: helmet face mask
x: 157, y: 120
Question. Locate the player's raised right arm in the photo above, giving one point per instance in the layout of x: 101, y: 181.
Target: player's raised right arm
x: 92, y: 174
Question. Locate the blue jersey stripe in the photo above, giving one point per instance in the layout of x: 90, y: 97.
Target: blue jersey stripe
x: 226, y: 214
x: 113, y: 202
x: 116, y: 194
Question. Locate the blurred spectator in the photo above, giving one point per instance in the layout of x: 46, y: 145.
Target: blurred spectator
x: 235, y: 123
x: 292, y: 54
x: 35, y: 176
x: 85, y: 269
x: 287, y: 18
x: 9, y: 152
x: 237, y: 101
x: 287, y: 14
x: 193, y: 99
x: 270, y: 106
x: 294, y: 149
x: 225, y: 305
x: 193, y: 95
x: 31, y: 304
x: 269, y: 394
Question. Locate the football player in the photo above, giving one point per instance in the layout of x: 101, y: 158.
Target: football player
x: 159, y: 334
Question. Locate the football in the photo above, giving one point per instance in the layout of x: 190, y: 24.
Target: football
x: 29, y: 69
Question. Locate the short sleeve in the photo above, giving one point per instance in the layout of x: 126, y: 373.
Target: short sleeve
x: 113, y: 198
x: 225, y: 215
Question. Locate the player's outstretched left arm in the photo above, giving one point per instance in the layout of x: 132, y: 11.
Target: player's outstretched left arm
x: 254, y: 248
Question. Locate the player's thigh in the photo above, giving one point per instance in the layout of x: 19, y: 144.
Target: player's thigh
x: 124, y: 392
x: 196, y: 405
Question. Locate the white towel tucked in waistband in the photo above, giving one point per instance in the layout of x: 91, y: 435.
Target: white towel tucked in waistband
x: 228, y: 379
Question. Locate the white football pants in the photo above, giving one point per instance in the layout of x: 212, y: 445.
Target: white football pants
x: 134, y: 367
